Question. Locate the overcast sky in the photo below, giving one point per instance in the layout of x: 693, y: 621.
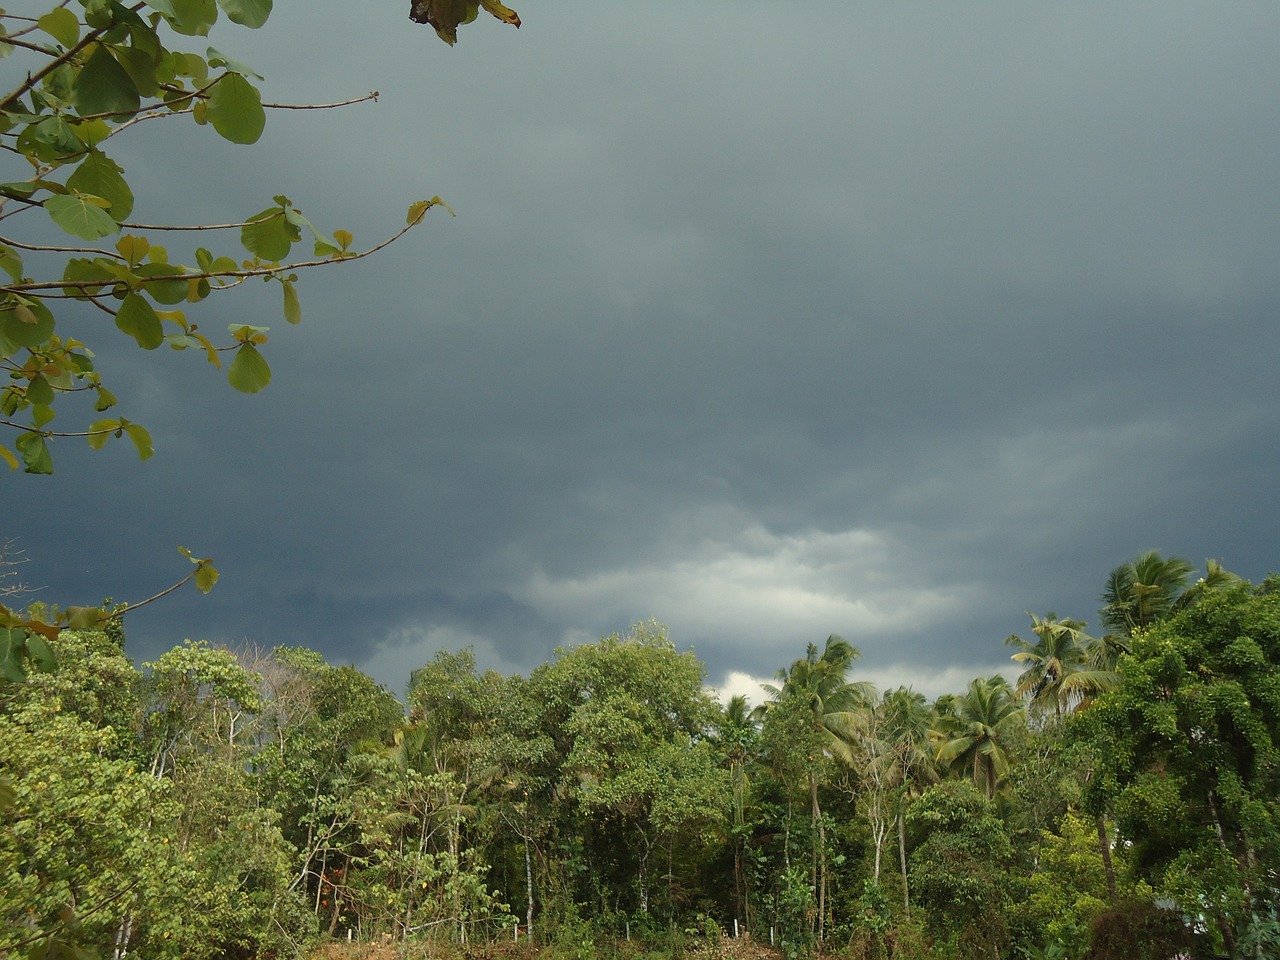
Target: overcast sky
x: 894, y: 321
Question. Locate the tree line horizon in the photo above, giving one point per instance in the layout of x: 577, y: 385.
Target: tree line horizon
x: 257, y: 803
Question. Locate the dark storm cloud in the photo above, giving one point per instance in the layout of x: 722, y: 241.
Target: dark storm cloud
x: 890, y: 321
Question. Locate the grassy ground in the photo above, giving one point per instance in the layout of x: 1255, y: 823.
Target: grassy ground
x: 725, y: 948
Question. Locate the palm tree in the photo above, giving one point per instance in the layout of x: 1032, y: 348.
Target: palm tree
x: 1143, y: 590
x: 1137, y: 594
x: 737, y: 739
x: 818, y: 684
x: 907, y: 723
x: 974, y: 728
x: 1061, y: 672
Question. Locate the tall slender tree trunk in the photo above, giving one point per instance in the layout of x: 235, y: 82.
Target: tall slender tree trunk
x: 645, y: 847
x: 819, y: 853
x: 902, y: 859
x: 528, y: 891
x: 1104, y: 847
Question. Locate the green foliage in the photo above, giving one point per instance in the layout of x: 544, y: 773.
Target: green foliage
x: 1138, y: 931
x: 1068, y: 886
x: 92, y: 75
x: 959, y: 863
x: 797, y: 910
x: 179, y: 862
x: 223, y: 804
x: 978, y: 726
x: 1189, y: 755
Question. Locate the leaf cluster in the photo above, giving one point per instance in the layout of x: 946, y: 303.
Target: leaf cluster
x: 91, y: 76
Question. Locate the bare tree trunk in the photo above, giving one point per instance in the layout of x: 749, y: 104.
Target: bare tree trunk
x: 528, y: 891
x: 819, y: 854
x: 644, y: 873
x: 1104, y: 847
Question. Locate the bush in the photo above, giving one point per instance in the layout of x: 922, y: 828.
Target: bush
x: 1138, y: 931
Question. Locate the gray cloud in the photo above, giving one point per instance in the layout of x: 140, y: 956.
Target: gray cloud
x: 893, y: 322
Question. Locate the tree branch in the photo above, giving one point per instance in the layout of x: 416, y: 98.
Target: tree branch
x: 269, y: 271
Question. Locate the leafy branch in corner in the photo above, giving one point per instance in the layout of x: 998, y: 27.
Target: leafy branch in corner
x: 89, y: 77
x: 25, y: 638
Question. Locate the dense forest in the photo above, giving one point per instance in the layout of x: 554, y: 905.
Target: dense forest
x: 1118, y: 799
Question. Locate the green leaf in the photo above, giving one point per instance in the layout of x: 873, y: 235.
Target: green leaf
x: 7, y: 456
x: 35, y: 455
x: 79, y: 216
x: 206, y: 577
x: 219, y: 61
x: 141, y: 439
x: 134, y: 249
x: 269, y: 235
x: 292, y: 309
x: 38, y: 649
x: 62, y: 25
x: 103, y: 86
x: 192, y: 18
x: 51, y: 140
x: 95, y: 272
x: 11, y: 262
x: 100, y: 432
x: 13, y: 644
x: 137, y: 318
x: 27, y: 324
x: 249, y: 371
x: 166, y: 283
x: 418, y: 210
x: 141, y: 67
x: 106, y: 400
x: 235, y: 110
x: 84, y: 618
x: 100, y: 176
x: 39, y: 391
x: 250, y: 13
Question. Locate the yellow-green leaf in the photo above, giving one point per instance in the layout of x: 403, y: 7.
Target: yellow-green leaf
x: 141, y: 440
x: 134, y: 249
x: 100, y: 432
x: 249, y: 371
x: 62, y: 25
x: 100, y: 176
x: 292, y: 309
x: 80, y: 216
x: 206, y: 577
x: 84, y: 618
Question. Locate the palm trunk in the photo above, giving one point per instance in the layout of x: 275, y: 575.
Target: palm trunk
x: 819, y: 853
x: 902, y: 859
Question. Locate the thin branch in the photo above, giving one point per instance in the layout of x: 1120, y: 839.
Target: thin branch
x: 45, y: 934
x: 48, y: 68
x: 12, y: 40
x: 199, y: 226
x: 53, y: 433
x: 372, y: 95
x: 35, y: 247
x: 240, y: 274
x: 130, y: 607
